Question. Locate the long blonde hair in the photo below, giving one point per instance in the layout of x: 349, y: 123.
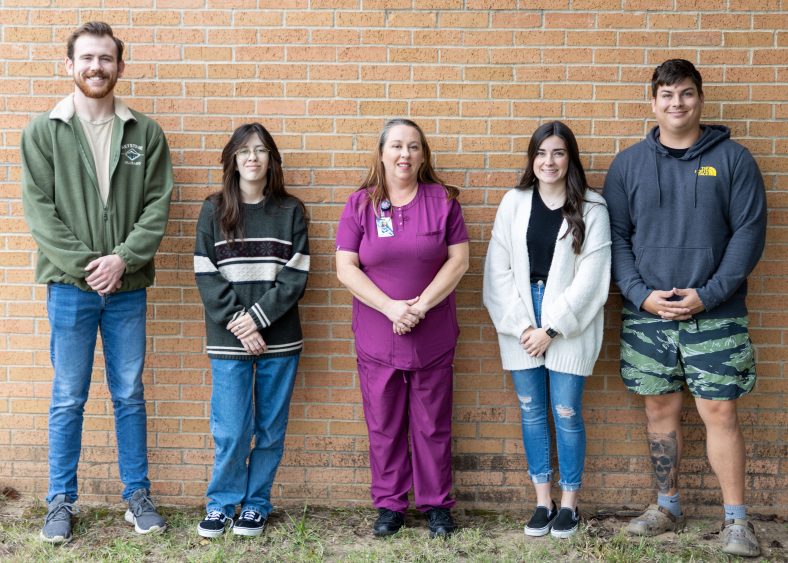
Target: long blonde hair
x: 375, y: 181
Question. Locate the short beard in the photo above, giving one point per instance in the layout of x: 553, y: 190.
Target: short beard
x: 85, y: 88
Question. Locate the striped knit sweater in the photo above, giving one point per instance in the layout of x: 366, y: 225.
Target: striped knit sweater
x: 263, y: 274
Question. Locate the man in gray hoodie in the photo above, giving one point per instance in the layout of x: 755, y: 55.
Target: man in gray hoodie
x: 688, y: 218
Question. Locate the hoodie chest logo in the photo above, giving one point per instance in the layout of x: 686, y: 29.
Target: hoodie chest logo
x: 133, y: 153
x: 706, y: 171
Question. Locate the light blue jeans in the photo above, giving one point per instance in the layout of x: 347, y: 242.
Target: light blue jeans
x: 75, y: 316
x: 565, y: 398
x: 248, y: 397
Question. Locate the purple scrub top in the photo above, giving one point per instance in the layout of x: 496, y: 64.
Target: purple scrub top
x: 402, y: 266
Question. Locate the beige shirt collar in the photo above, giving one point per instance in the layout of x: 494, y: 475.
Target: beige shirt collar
x: 65, y: 110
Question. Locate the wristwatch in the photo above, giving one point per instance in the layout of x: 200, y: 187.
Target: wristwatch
x: 551, y: 332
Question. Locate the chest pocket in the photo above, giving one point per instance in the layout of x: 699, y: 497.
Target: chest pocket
x: 431, y: 246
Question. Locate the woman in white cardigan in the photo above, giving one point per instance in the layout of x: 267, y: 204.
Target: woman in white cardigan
x: 546, y: 280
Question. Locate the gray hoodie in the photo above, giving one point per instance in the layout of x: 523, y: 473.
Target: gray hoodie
x: 698, y: 221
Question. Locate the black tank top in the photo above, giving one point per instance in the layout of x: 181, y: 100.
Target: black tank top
x: 543, y: 227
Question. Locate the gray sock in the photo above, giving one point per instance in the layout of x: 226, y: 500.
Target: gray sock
x: 735, y: 511
x: 671, y: 502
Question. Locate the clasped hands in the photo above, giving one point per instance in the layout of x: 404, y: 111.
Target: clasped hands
x: 658, y: 303
x: 535, y: 341
x: 105, y: 273
x: 245, y: 329
x: 404, y: 314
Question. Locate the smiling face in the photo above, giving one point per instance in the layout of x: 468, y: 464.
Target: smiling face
x: 402, y: 155
x: 95, y: 66
x: 678, y: 109
x: 551, y: 162
x: 251, y: 158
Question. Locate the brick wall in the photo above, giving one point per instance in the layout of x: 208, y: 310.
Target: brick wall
x: 323, y: 75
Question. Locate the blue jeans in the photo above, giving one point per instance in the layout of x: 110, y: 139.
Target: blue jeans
x: 241, y: 476
x: 565, y: 397
x: 75, y: 316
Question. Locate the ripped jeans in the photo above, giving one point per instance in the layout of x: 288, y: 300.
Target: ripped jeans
x: 565, y: 398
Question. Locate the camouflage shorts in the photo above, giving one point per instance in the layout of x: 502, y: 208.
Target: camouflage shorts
x: 714, y: 357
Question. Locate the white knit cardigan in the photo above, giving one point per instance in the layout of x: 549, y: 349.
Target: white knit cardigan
x: 574, y: 296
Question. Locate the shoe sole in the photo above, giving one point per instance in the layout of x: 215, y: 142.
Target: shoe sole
x: 129, y: 517
x: 248, y: 532
x: 563, y: 534
x: 209, y: 533
x: 384, y: 534
x: 537, y: 532
x: 741, y: 552
x: 55, y: 539
x: 202, y: 532
x: 641, y: 532
x: 434, y: 535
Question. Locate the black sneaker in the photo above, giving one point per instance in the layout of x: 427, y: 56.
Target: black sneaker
x: 440, y: 522
x: 388, y: 523
x: 541, y: 522
x: 566, y: 523
x: 214, y: 524
x: 250, y: 523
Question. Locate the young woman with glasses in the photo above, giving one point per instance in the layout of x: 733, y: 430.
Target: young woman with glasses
x: 251, y: 261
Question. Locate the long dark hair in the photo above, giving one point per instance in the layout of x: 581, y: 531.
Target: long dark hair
x: 375, y: 182
x: 576, y: 184
x: 228, y: 201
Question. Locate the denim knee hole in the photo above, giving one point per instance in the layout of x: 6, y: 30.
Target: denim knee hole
x: 564, y: 412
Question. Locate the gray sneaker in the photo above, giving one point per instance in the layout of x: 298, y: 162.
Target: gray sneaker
x: 57, y: 524
x: 738, y: 538
x: 142, y: 513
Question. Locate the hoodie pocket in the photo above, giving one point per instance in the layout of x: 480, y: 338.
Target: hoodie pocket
x: 663, y: 268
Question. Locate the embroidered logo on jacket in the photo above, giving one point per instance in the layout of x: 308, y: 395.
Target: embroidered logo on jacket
x: 133, y: 153
x: 706, y: 171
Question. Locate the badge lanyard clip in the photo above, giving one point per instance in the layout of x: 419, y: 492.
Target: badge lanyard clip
x: 384, y: 223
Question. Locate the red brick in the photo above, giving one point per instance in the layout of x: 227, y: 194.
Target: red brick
x: 464, y: 19
x: 747, y: 39
x: 514, y: 20
x: 696, y: 38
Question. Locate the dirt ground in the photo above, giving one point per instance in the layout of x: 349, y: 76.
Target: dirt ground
x: 505, y: 527
x: 314, y: 533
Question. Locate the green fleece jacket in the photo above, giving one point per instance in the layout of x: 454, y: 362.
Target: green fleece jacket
x: 63, y: 208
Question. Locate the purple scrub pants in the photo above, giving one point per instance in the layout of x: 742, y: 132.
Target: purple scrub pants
x: 396, y: 401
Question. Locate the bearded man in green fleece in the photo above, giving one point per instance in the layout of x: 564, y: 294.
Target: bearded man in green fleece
x: 96, y: 192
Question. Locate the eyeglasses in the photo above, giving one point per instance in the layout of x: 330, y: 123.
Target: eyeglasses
x: 244, y: 154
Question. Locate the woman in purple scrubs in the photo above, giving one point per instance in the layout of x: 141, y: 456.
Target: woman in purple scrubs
x: 402, y: 248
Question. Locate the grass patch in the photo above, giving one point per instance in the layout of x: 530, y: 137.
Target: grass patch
x: 315, y: 534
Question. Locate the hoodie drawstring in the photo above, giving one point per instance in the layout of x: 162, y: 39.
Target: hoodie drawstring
x: 698, y: 164
x: 659, y: 184
x: 697, y: 173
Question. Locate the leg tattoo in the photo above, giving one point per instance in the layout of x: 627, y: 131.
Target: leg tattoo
x: 664, y: 458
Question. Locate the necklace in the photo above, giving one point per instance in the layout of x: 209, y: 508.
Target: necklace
x: 554, y: 204
x: 400, y: 199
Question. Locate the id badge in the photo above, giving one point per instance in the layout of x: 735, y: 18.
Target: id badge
x: 385, y: 226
